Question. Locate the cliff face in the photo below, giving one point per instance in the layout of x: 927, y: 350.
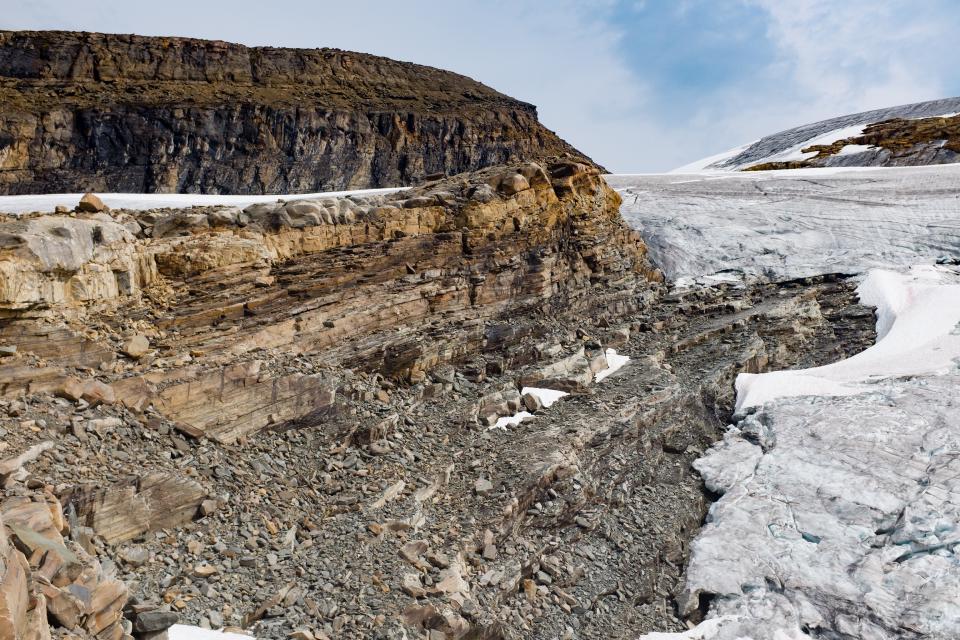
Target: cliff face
x: 84, y: 111
x: 396, y: 285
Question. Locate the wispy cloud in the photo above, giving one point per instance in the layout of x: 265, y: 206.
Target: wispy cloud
x: 640, y: 85
x: 812, y: 59
x: 862, y: 54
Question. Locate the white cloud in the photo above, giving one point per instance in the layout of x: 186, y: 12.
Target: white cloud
x: 861, y: 54
x: 567, y: 57
x: 832, y: 58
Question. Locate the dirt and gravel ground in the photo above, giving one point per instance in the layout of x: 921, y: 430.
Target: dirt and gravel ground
x: 572, y: 524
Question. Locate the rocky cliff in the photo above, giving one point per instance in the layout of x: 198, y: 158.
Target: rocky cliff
x: 86, y: 111
x: 395, y: 285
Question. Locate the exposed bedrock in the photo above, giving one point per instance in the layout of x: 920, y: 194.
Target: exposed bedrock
x: 396, y: 285
x: 99, y: 112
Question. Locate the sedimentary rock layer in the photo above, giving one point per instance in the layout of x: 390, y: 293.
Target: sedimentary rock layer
x: 224, y: 299
x: 87, y: 111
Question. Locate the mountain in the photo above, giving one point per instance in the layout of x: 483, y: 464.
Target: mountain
x: 923, y: 133
x: 324, y: 417
x: 93, y: 111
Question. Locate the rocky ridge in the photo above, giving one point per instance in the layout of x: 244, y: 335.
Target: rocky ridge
x: 124, y: 113
x: 895, y: 142
x: 916, y: 134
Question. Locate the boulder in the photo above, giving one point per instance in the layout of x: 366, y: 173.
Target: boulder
x: 136, y: 347
x: 125, y: 510
x: 96, y: 392
x: 90, y: 203
x: 513, y: 183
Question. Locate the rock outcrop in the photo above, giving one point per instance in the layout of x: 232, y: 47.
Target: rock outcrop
x: 47, y: 580
x: 397, y: 285
x: 899, y: 142
x: 98, y: 112
x: 923, y: 133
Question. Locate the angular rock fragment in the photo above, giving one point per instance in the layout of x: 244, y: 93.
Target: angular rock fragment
x: 124, y: 511
x: 90, y: 203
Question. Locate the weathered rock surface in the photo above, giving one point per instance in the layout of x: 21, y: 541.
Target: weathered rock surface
x: 128, y: 510
x: 98, y: 112
x: 394, y: 284
x: 47, y: 579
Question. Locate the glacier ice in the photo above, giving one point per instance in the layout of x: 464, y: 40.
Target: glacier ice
x: 839, y: 508
x: 780, y: 225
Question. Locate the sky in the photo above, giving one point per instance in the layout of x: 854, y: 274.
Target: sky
x: 639, y: 85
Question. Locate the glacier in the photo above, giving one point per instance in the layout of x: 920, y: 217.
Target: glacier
x: 839, y: 507
x: 780, y: 225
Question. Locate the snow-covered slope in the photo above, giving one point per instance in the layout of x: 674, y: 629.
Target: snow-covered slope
x: 790, y: 224
x: 786, y: 145
x: 141, y: 201
x: 840, y: 508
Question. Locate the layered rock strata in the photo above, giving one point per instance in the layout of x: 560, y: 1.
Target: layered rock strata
x: 47, y: 580
x: 395, y: 284
x: 88, y: 111
x: 419, y: 521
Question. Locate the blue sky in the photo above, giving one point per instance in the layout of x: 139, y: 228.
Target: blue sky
x: 640, y: 85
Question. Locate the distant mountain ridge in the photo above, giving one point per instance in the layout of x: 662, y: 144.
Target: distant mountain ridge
x: 93, y: 111
x: 922, y: 133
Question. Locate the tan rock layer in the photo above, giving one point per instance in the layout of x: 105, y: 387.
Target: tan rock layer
x: 47, y: 580
x: 397, y: 285
x: 124, y: 511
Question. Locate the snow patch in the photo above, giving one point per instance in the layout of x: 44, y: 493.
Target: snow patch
x: 511, y: 421
x: 794, y: 153
x: 141, y: 201
x: 853, y: 149
x: 615, y: 362
x: 188, y: 632
x: 547, y: 397
x: 704, y: 163
x: 917, y: 318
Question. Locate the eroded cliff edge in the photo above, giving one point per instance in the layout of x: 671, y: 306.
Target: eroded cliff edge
x: 124, y: 113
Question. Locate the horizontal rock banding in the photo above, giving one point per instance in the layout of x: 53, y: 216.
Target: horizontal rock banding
x: 396, y: 284
x: 87, y: 111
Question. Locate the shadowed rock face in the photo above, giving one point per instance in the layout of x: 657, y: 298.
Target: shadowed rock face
x: 84, y: 111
